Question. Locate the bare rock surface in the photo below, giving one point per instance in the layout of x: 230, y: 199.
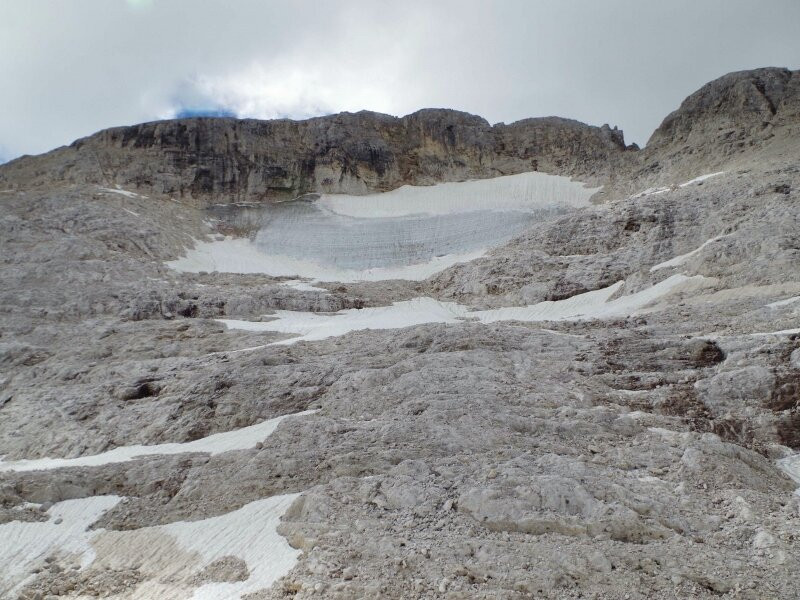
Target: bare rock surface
x: 631, y: 457
x: 207, y: 160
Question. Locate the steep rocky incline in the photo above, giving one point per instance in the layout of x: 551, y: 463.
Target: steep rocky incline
x: 640, y: 454
x: 727, y: 119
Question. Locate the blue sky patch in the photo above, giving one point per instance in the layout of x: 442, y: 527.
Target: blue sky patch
x: 186, y: 113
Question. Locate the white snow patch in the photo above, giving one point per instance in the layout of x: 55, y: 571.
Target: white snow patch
x: 135, y: 214
x: 121, y: 192
x: 25, y: 545
x: 785, y: 302
x: 591, y: 305
x: 652, y: 191
x: 679, y: 260
x: 701, y: 178
x: 318, y: 326
x: 781, y: 332
x: 655, y: 191
x: 239, y: 439
x: 248, y: 533
x: 523, y: 192
x: 302, y: 286
x: 791, y: 466
x: 240, y: 255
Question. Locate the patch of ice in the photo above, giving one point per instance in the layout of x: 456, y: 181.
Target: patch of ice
x: 522, y: 192
x: 25, y: 545
x: 591, y: 305
x: 679, y: 260
x: 238, y: 439
x: 785, y: 302
x: 240, y: 255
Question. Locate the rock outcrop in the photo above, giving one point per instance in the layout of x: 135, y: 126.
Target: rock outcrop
x: 727, y: 119
x: 221, y: 160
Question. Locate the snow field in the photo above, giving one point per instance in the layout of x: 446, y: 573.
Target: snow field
x: 591, y: 305
x: 168, y: 555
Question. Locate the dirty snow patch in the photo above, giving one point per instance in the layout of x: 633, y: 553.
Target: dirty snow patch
x: 238, y: 439
x: 408, y: 233
x: 26, y: 544
x: 249, y: 534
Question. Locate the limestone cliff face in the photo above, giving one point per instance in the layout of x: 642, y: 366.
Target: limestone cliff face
x: 211, y: 160
x: 745, y: 104
x: 737, y: 113
x: 225, y: 160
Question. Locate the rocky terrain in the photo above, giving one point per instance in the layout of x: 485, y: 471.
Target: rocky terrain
x: 644, y: 452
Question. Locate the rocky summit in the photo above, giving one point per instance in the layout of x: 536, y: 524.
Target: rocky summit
x: 518, y: 360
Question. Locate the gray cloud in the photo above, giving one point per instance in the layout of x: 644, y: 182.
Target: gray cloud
x: 71, y: 68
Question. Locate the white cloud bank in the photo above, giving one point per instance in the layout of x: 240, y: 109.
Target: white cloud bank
x: 71, y: 68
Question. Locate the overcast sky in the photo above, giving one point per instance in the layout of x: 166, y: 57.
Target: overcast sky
x: 70, y: 68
